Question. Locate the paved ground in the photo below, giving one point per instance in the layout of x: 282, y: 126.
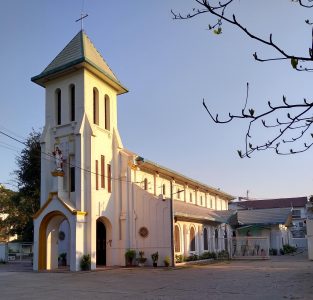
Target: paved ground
x: 284, y: 277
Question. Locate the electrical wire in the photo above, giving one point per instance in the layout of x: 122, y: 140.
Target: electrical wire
x: 66, y: 163
x: 51, y: 156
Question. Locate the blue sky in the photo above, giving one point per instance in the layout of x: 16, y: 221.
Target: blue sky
x: 169, y: 67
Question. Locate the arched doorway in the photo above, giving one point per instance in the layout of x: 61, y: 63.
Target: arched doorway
x: 101, y: 244
x: 49, y: 240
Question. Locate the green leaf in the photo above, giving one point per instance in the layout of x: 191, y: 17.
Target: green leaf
x: 294, y: 62
x: 218, y: 30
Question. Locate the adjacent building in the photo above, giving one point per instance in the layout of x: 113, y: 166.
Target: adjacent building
x: 297, y: 205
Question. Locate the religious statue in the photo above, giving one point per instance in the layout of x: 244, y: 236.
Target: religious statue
x: 58, y: 159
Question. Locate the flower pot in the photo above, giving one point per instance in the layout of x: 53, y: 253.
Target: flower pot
x: 155, y: 264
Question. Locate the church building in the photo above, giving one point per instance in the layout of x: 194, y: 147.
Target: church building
x: 97, y: 197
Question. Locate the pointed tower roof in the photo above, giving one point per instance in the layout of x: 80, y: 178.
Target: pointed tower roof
x: 78, y: 53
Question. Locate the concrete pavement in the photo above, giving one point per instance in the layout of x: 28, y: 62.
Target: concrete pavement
x: 284, y: 277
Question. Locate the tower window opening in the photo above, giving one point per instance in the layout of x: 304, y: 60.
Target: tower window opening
x: 72, y: 102
x: 107, y: 112
x: 58, y: 107
x: 95, y: 106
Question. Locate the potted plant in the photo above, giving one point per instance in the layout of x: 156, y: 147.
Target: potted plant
x: 167, y: 261
x: 85, y: 262
x: 155, y: 258
x: 62, y: 259
x: 130, y: 254
x: 141, y: 259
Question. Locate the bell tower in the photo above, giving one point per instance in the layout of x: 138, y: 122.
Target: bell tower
x: 78, y: 145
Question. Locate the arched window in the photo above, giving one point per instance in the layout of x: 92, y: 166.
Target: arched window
x: 163, y: 189
x: 58, y: 109
x: 145, y: 183
x: 192, y: 239
x: 109, y: 178
x: 95, y: 106
x: 205, y: 239
x: 72, y: 173
x: 226, y: 239
x: 201, y: 200
x: 190, y: 197
x: 178, y: 193
x: 102, y: 171
x: 72, y: 102
x: 107, y: 112
x: 216, y: 238
x: 177, y: 239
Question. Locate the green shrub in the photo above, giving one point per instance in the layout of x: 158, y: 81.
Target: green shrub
x: 273, y: 251
x: 155, y: 257
x: 223, y: 255
x: 85, y: 262
x: 167, y: 261
x: 141, y: 259
x: 208, y: 255
x: 192, y: 257
x: 179, y: 258
x: 288, y: 249
x: 130, y: 254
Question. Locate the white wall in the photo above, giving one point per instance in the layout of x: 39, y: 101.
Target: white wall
x: 3, y: 251
x: 154, y: 214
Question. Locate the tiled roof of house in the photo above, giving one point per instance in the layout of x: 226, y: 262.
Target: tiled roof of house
x: 79, y: 50
x: 144, y: 163
x: 183, y: 209
x: 269, y: 216
x: 272, y: 203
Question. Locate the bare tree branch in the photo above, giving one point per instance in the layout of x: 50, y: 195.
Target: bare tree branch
x: 219, y: 12
x: 292, y: 122
x: 298, y: 119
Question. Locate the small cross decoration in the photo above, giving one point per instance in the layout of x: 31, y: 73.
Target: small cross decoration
x: 82, y: 17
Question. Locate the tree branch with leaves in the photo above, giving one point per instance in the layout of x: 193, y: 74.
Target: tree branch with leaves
x: 292, y: 121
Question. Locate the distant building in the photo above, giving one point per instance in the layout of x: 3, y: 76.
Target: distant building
x: 296, y: 204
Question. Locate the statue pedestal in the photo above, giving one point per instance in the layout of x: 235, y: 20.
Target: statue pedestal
x: 57, y: 186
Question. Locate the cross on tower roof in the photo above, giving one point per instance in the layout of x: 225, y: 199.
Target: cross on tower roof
x: 82, y: 17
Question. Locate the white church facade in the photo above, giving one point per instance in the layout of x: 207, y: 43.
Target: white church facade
x: 99, y: 198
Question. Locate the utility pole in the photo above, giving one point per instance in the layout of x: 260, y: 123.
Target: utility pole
x: 172, y: 227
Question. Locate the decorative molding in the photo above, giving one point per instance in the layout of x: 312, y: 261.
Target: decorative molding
x: 57, y: 173
x: 143, y: 232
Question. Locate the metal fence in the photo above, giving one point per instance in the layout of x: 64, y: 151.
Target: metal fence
x: 250, y: 247
x: 19, y: 252
x: 299, y: 243
x: 241, y: 247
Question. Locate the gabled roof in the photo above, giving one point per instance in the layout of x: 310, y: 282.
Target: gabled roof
x: 152, y: 166
x: 272, y: 216
x: 54, y: 195
x: 273, y: 203
x: 79, y: 52
x: 191, y: 211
